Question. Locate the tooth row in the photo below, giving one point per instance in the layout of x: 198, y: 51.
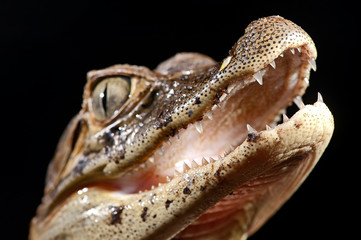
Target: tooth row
x: 198, y: 126
x: 258, y: 75
x: 299, y: 103
x: 189, y: 164
x: 192, y: 164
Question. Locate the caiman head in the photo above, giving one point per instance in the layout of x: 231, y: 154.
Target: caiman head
x: 191, y: 150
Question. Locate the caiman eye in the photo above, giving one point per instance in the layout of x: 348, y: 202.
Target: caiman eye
x: 109, y: 95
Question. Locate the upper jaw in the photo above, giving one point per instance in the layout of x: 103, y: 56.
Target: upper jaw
x: 265, y: 40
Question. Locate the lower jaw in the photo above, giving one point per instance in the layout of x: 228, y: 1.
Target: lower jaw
x: 241, y: 206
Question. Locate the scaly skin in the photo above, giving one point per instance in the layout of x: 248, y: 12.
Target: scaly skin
x: 130, y: 175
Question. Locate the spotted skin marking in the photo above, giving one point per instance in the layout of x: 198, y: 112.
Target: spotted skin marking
x: 167, y: 203
x: 115, y: 216
x: 144, y: 214
x: 187, y: 191
x: 252, y: 137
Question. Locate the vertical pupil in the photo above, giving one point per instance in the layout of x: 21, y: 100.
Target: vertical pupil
x: 104, y: 99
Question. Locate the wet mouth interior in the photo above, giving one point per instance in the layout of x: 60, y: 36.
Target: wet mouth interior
x: 246, y: 102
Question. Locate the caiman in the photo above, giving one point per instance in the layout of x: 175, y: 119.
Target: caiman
x: 194, y: 149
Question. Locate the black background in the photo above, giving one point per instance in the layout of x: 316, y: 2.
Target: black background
x: 46, y: 49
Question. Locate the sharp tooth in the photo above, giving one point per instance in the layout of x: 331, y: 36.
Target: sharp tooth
x: 298, y: 101
x: 194, y: 164
x: 306, y: 81
x: 231, y: 147
x: 285, y: 118
x: 251, y: 129
x: 281, y: 55
x: 151, y: 159
x: 292, y: 50
x: 244, y: 236
x: 169, y: 141
x: 221, y: 99
x: 312, y: 62
x: 168, y: 178
x: 185, y: 167
x: 161, y: 150
x: 268, y: 128
x: 258, y: 77
x: 214, y: 107
x: 198, y: 126
x: 204, y: 161
x: 152, y: 187
x: 231, y: 87
x: 209, y: 115
x: 319, y: 97
x: 176, y: 173
x: 299, y: 49
x: 177, y: 136
x: 273, y: 64
x: 274, y: 124
x: 211, y: 160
